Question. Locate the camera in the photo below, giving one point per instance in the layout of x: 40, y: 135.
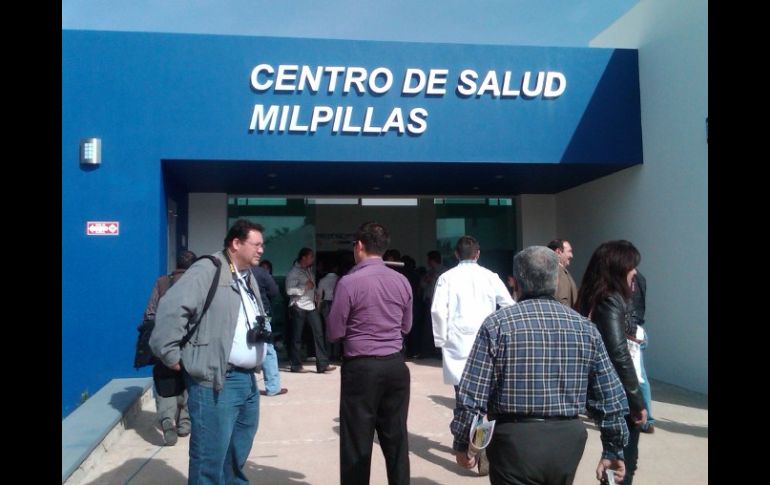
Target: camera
x: 259, y: 333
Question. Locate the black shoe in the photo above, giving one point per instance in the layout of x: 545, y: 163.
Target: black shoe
x: 169, y: 432
x: 326, y: 369
x: 300, y: 370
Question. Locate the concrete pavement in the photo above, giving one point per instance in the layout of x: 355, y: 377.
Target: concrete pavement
x: 298, y: 439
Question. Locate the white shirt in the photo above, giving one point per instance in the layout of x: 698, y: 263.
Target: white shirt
x: 326, y: 286
x: 464, y: 296
x: 242, y: 353
x: 296, y: 281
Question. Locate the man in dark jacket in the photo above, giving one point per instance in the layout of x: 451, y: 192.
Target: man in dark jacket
x: 268, y: 289
x: 172, y: 414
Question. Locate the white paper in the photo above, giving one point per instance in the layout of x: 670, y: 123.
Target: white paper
x: 610, y: 476
x: 635, y: 349
x: 480, y: 435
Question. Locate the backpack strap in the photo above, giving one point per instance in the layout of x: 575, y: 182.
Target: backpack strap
x: 209, y: 297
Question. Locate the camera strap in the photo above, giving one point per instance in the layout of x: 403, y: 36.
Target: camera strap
x: 251, y: 301
x: 252, y: 306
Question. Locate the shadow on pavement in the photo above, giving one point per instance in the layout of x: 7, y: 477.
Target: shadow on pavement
x: 443, y: 456
x: 443, y: 401
x: 682, y: 428
x: 423, y: 481
x: 138, y: 471
x: 266, y: 474
x: 119, y: 400
x: 422, y: 446
x: 144, y: 425
x: 665, y: 425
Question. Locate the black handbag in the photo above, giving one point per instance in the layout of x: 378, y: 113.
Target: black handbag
x: 143, y: 355
x: 169, y: 382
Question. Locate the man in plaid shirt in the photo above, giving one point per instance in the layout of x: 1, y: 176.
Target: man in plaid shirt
x: 533, y: 368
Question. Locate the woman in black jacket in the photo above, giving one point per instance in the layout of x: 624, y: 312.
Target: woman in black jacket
x: 603, y: 297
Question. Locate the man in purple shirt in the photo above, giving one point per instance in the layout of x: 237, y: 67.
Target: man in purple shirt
x: 371, y: 312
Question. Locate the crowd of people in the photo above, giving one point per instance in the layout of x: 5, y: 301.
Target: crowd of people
x: 532, y: 354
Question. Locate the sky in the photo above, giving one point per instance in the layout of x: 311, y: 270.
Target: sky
x: 553, y: 23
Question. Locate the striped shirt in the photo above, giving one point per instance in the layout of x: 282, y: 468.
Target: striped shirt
x: 544, y: 359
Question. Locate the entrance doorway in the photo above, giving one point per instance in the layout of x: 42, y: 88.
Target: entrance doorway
x: 416, y: 225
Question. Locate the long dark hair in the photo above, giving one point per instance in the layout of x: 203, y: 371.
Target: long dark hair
x: 606, y: 274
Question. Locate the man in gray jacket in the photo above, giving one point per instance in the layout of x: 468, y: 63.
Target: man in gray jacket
x: 220, y: 358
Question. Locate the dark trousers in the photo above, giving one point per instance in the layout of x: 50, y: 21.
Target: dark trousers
x: 298, y: 317
x: 542, y: 453
x: 414, y: 339
x: 631, y: 451
x: 335, y: 349
x: 374, y: 396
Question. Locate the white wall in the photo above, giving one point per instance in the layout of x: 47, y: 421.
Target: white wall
x: 207, y: 224
x: 661, y: 206
x: 536, y: 220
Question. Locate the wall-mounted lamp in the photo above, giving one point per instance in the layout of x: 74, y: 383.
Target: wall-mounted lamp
x: 91, y: 151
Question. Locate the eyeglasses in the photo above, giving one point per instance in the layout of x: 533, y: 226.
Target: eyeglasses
x: 256, y: 245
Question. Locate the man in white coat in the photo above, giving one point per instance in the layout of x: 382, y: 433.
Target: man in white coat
x: 464, y: 296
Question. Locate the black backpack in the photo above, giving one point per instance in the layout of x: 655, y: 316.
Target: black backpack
x: 144, y: 355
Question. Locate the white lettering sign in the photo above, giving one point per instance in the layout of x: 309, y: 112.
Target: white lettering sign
x: 359, y: 81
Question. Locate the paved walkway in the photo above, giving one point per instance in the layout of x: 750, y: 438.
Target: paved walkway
x: 298, y: 439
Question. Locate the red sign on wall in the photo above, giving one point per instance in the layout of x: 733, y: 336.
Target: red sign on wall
x: 102, y: 228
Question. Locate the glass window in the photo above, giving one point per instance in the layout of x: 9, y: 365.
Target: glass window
x: 491, y: 221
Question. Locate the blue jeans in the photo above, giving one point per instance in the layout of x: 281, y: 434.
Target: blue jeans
x: 223, y: 428
x: 645, y: 386
x: 270, y: 371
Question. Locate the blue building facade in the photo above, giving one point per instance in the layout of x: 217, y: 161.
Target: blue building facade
x: 178, y: 113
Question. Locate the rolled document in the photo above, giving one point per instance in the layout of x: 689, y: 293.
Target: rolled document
x: 480, y: 435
